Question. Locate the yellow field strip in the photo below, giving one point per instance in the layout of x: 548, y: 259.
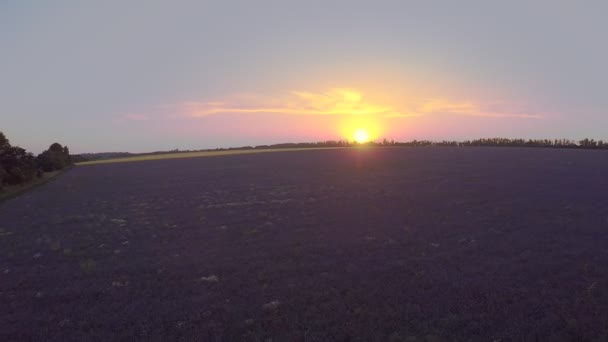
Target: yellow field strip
x: 199, y: 154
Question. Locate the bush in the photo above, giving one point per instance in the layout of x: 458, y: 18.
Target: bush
x: 55, y: 158
x: 18, y: 165
x: 2, y: 175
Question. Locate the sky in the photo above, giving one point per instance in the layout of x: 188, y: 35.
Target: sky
x: 150, y: 75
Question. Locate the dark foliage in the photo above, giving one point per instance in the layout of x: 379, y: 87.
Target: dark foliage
x: 4, y: 143
x: 78, y: 158
x: 16, y: 165
x: 55, y: 158
x: 19, y: 166
x: 3, y: 175
x: 505, y: 142
x: 489, y: 142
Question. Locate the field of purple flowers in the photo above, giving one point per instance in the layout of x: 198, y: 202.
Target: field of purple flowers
x: 376, y: 244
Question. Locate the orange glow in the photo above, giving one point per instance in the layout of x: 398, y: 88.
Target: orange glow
x: 361, y: 129
x: 335, y: 101
x: 370, y: 112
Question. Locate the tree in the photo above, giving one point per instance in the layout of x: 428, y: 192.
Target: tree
x: 66, y: 154
x: 55, y: 158
x: 4, y: 143
x: 587, y: 143
x: 18, y: 165
x: 3, y: 175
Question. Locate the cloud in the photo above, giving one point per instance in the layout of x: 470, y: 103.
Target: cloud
x: 496, y: 110
x: 439, y: 105
x: 345, y: 101
x: 131, y: 117
x: 336, y: 101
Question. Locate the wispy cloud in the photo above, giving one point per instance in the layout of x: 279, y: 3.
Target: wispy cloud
x: 336, y: 101
x: 441, y: 105
x: 131, y: 117
x: 445, y: 106
x: 345, y: 101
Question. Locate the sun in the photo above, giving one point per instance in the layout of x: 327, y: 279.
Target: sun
x: 361, y: 136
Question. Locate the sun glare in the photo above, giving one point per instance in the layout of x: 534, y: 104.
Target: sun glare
x: 361, y: 136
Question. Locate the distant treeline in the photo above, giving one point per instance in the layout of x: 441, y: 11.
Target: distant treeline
x: 498, y: 142
x: 18, y: 166
x: 556, y: 143
x: 495, y: 142
x: 505, y: 142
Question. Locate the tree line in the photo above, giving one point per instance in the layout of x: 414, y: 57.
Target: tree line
x: 505, y: 142
x: 18, y: 166
x: 492, y: 142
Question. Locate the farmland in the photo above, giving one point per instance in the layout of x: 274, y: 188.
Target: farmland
x: 399, y: 244
x: 195, y: 154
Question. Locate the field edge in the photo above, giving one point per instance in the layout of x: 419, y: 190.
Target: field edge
x: 181, y: 155
x: 15, y: 190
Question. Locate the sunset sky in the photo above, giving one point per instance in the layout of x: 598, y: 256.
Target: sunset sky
x: 157, y: 75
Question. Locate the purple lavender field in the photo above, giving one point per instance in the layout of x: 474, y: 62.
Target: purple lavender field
x: 384, y: 244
